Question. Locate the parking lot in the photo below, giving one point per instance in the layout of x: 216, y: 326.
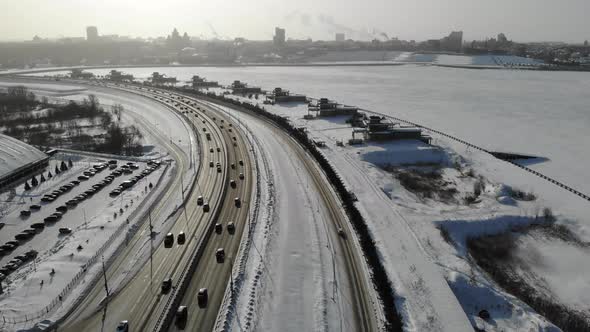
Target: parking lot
x: 79, y: 208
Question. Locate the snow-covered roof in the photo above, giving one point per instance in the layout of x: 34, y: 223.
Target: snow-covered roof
x: 15, y: 154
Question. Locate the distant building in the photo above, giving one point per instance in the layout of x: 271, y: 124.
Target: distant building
x: 453, y: 42
x: 91, y: 34
x: 340, y: 37
x: 279, y: 37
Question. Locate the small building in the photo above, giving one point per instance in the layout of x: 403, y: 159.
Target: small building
x: 118, y: 76
x: 199, y: 82
x: 278, y: 95
x: 380, y: 129
x: 241, y: 88
x: 161, y: 79
x: 79, y: 74
x: 326, y: 107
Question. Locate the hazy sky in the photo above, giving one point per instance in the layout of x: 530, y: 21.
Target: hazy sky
x: 520, y: 20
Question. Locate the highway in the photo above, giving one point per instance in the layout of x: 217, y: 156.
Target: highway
x: 140, y: 301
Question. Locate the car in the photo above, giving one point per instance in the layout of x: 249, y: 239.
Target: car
x: 25, y: 213
x: 49, y: 219
x: 31, y: 254
x: 166, y: 285
x: 115, y: 192
x: 232, y: 183
x: 133, y: 166
x: 238, y: 202
x: 47, y: 199
x: 97, y: 186
x: 127, y: 170
x: 169, y: 240
x: 30, y: 231
x: 112, y: 166
x: 181, y: 316
x: 218, y: 149
x: 35, y: 207
x: 206, y: 207
x: 75, y: 182
x: 181, y: 238
x: 8, y: 247
x: 233, y: 166
x: 218, y: 228
x: 90, y: 192
x: 112, y: 162
x: 231, y: 228
x: 38, y: 225
x: 241, y: 176
x: 83, y: 178
x: 235, y: 144
x: 23, y: 236
x: 211, y: 164
x: 202, y: 297
x: 2, y: 225
x: 123, y: 326
x: 241, y: 162
x: 127, y: 184
x: 211, y: 150
x: 65, y: 230
x: 61, y: 208
x: 220, y: 255
x: 218, y: 169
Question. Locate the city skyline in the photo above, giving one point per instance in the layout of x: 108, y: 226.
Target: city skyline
x: 422, y: 20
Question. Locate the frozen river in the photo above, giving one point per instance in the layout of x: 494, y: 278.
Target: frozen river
x: 541, y: 113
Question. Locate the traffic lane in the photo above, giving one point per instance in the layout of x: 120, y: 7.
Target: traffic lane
x: 209, y: 273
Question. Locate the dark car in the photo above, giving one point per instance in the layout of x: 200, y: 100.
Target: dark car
x: 181, y: 317
x: 169, y: 240
x: 231, y: 228
x: 238, y: 202
x: 218, y: 228
x: 206, y: 207
x: 241, y: 176
x: 211, y: 164
x: 51, y: 218
x: 65, y: 230
x: 200, y: 200
x: 25, y: 213
x: 166, y: 285
x: 241, y: 162
x: 61, y: 208
x: 123, y: 326
x: 83, y: 178
x: 232, y: 183
x: 220, y: 255
x: 181, y: 238
x: 23, y: 236
x: 38, y: 225
x: 35, y: 207
x: 202, y: 297
x: 72, y: 203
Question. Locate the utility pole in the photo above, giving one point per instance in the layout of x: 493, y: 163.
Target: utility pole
x: 151, y: 246
x: 104, y: 273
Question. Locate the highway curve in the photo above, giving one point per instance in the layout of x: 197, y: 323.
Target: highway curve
x: 140, y: 301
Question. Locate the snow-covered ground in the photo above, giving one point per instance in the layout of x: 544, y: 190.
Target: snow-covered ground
x: 437, y: 283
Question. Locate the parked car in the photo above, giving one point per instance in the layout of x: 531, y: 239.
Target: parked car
x: 83, y: 178
x: 25, y: 213
x: 51, y: 218
x: 35, y: 207
x: 65, y: 230
x: 202, y: 297
x: 23, y: 236
x: 61, y: 208
x: 38, y: 225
